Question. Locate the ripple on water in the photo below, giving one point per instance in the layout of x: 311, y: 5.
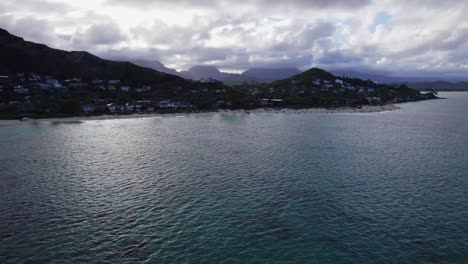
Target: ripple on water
x: 239, y: 189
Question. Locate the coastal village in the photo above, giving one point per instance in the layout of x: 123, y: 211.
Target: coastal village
x: 32, y: 93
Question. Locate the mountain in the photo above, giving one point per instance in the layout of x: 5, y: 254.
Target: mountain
x: 253, y: 74
x: 308, y: 77
x: 367, y: 76
x: 203, y: 72
x: 269, y: 74
x: 382, y: 78
x: 18, y: 55
x: 155, y: 65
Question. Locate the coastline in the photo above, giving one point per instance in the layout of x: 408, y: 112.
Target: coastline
x: 80, y: 119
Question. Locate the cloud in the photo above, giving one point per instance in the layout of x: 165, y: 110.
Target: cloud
x: 99, y: 34
x: 35, y: 6
x: 261, y: 3
x: 416, y: 37
x: 29, y: 28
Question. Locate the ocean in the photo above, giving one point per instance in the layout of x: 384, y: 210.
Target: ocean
x: 363, y: 188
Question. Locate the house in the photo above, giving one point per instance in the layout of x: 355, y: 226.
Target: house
x: 209, y: 80
x: 373, y: 99
x: 150, y: 108
x: 219, y: 104
x: 125, y: 88
x: 56, y: 85
x: 130, y: 107
x: 34, y: 77
x: 114, y: 81
x: 349, y: 87
x: 97, y: 81
x: 265, y: 102
x: 339, y: 82
x: 115, y: 108
x: 143, y: 89
x: 88, y: 108
x: 172, y: 105
x: 4, y: 79
x: 21, y: 90
x: 147, y: 88
x: 111, y: 87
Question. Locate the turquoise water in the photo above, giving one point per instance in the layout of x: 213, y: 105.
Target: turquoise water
x: 265, y: 188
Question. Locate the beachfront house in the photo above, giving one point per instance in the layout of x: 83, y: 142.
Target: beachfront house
x: 115, y: 108
x: 172, y: 105
x: 88, y: 108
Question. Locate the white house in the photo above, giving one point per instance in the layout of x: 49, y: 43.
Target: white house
x: 21, y: 90
x: 125, y: 88
x: 172, y: 105
x: 115, y: 108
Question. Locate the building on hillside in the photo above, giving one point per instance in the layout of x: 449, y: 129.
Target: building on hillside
x: 21, y: 90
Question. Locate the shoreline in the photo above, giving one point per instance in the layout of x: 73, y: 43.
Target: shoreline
x: 81, y: 119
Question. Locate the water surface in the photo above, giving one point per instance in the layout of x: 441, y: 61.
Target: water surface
x: 268, y: 188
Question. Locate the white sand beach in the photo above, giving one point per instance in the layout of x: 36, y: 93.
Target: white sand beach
x: 80, y: 119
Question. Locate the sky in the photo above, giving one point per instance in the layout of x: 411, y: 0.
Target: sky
x: 392, y: 37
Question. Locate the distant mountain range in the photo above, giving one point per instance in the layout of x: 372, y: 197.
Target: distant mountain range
x: 418, y: 83
x: 155, y: 65
x: 439, y: 86
x: 199, y: 72
x: 18, y: 55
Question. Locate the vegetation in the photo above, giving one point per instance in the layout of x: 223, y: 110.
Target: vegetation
x: 37, y: 81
